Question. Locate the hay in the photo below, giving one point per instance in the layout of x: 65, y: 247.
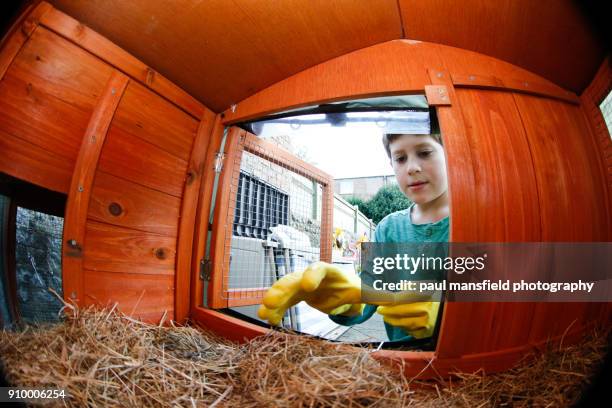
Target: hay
x: 103, y: 358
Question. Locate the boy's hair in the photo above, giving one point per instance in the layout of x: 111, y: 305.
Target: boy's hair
x: 388, y: 138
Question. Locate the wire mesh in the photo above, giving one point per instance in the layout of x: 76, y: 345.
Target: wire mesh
x: 38, y: 265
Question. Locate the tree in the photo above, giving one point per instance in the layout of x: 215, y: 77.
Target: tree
x: 363, y: 205
x: 387, y: 200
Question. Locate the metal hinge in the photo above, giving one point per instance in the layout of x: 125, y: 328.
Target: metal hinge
x: 205, y: 269
x: 219, y: 161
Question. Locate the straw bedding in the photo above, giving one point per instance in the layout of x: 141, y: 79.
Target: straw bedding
x: 104, y: 358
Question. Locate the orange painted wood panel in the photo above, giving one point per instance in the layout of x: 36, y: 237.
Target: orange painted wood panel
x: 506, y: 198
x: 19, y: 34
x: 135, y: 160
x: 539, y: 36
x: 63, y: 69
x: 146, y: 297
x: 80, y: 186
x: 104, y: 49
x: 569, y: 185
x: 506, y: 192
x: 151, y: 118
x: 137, y: 207
x: 387, y: 68
x: 202, y: 216
x: 117, y: 249
x: 223, y: 217
x: 34, y: 164
x: 219, y: 66
x: 185, y: 249
x: 34, y: 116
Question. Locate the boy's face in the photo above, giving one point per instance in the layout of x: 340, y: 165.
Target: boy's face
x: 420, y: 167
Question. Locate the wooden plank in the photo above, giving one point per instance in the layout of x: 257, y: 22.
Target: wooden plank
x: 189, y: 206
x: 111, y: 248
x: 104, y: 49
x: 146, y: 297
x: 135, y: 160
x: 476, y: 81
x: 268, y: 41
x: 327, y: 221
x: 229, y: 327
x: 461, y: 185
x: 120, y: 202
x: 245, y: 297
x: 223, y: 216
x: 539, y: 88
x: 80, y: 187
x: 146, y: 115
x: 19, y: 34
x: 277, y: 155
x: 384, y: 69
x: 202, y: 217
x: 505, y: 182
x: 554, y: 42
x: 34, y: 164
x: 530, y: 87
x: 437, y: 95
x: 36, y: 117
x: 62, y: 69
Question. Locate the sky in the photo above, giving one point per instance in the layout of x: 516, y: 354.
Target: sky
x: 343, y: 151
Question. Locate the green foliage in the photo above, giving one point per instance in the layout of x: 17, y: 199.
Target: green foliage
x: 363, y: 205
x: 387, y: 200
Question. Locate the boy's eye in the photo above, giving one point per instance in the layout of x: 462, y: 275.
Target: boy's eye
x: 400, y: 159
x: 425, y: 153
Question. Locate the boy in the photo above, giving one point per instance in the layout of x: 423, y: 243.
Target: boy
x: 420, y: 170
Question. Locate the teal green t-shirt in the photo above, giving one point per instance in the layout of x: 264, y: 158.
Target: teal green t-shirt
x: 398, y: 227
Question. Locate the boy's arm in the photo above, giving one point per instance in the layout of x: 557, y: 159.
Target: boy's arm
x: 367, y: 312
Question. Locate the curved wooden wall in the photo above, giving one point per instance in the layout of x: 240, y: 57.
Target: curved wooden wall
x: 80, y: 116
x: 523, y: 166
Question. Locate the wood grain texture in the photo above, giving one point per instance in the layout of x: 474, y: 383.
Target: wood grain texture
x: 509, y: 84
x: 202, y: 216
x: 34, y: 164
x: 79, y: 194
x: 185, y: 249
x: 141, y: 162
x: 151, y: 118
x: 146, y: 297
x: 398, y: 66
x: 241, y: 142
x: 553, y: 40
x: 386, y: 68
x: 104, y: 49
x: 19, y: 34
x: 268, y: 41
x: 117, y: 249
x: 137, y: 207
x: 223, y: 218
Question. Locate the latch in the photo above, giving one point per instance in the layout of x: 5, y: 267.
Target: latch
x: 219, y: 161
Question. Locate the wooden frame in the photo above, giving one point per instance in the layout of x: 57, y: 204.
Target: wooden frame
x: 407, y: 68
x: 81, y: 186
x: 239, y: 141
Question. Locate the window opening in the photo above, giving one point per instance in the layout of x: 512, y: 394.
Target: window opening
x: 32, y: 227
x: 277, y: 214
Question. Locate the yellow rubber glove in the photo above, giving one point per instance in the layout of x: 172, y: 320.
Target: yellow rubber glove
x: 323, y: 286
x: 418, y: 319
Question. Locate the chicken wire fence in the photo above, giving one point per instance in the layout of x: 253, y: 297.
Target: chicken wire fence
x: 280, y: 222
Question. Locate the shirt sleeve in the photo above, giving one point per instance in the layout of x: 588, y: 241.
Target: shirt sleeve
x: 368, y: 311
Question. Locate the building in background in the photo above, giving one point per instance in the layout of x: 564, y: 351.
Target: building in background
x: 362, y: 187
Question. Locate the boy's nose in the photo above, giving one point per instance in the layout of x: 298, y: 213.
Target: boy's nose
x: 413, y: 167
